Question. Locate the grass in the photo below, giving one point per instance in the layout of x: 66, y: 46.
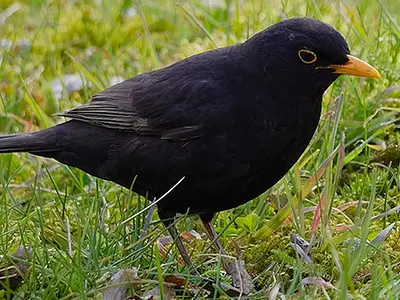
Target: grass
x: 342, y: 196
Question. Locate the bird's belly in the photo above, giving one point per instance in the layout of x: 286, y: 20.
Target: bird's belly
x: 221, y: 183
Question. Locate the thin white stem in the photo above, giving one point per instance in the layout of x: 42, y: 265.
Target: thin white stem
x: 153, y: 203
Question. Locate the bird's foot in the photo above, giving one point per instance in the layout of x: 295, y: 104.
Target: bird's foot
x: 240, y: 278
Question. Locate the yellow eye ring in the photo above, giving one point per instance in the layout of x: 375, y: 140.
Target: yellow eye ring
x: 307, y: 56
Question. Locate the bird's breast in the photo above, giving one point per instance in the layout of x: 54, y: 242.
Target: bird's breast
x: 241, y: 164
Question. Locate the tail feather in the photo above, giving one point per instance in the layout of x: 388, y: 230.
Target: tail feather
x: 35, y: 142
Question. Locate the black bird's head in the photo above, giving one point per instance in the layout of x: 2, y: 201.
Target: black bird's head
x: 305, y: 56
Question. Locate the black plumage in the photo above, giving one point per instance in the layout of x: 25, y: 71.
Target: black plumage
x: 232, y: 121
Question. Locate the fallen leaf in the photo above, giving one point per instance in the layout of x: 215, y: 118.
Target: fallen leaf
x: 274, y: 292
x: 120, y: 283
x: 13, y: 275
x: 155, y: 293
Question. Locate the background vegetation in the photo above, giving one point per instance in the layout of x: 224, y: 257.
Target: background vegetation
x: 342, y: 197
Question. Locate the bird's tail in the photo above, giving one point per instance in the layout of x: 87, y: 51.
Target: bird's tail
x: 35, y: 142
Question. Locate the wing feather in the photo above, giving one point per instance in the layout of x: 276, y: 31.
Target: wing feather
x: 174, y: 103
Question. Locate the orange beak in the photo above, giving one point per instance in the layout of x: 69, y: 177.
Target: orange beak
x: 355, y: 66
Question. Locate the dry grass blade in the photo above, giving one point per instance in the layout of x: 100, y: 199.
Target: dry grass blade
x: 317, y: 281
x: 381, y: 236
x: 386, y: 213
x: 13, y: 8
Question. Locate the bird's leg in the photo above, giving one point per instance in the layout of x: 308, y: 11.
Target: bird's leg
x: 215, y: 241
x: 240, y: 278
x: 181, y: 248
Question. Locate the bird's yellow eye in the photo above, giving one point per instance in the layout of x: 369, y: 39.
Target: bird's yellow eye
x: 307, y: 56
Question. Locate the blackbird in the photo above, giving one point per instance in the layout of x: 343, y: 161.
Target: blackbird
x: 230, y: 122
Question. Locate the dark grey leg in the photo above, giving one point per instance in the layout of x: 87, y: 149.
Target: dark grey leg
x: 181, y: 248
x: 240, y: 278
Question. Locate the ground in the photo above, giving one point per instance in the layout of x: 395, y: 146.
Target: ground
x: 342, y: 196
